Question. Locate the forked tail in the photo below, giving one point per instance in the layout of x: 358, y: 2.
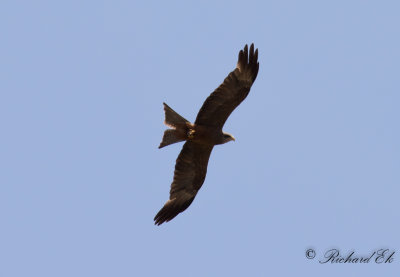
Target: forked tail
x: 178, y: 125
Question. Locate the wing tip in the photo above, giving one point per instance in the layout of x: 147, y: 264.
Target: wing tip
x: 171, y: 209
x: 248, y: 61
x: 164, y: 214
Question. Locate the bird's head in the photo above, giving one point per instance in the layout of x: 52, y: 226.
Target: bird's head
x: 227, y: 137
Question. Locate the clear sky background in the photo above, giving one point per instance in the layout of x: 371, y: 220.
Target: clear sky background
x: 315, y: 163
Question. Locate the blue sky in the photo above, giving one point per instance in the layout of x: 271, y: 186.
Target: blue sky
x: 315, y: 163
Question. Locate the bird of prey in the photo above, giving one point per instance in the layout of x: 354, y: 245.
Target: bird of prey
x: 204, y: 133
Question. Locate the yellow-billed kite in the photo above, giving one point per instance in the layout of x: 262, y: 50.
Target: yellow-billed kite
x: 200, y: 137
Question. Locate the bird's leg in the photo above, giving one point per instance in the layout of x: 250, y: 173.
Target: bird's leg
x: 190, y: 133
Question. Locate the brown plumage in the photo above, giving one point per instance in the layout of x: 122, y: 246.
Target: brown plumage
x: 191, y: 164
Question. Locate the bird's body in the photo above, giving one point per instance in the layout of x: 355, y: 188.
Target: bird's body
x: 207, y: 135
x: 202, y: 135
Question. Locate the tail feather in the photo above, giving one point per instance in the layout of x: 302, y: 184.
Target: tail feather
x: 171, y: 136
x: 178, y: 125
x: 172, y: 118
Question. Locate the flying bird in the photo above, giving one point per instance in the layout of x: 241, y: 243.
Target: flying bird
x: 204, y: 133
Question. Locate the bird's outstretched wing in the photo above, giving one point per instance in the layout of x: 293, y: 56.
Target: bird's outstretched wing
x: 189, y: 176
x: 220, y: 104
